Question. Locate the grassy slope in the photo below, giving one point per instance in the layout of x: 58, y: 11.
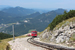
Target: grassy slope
x: 4, y: 43
x: 60, y: 24
x: 65, y: 22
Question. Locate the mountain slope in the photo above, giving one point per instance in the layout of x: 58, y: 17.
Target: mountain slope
x: 50, y: 15
x: 63, y: 32
x: 4, y: 17
x: 8, y: 18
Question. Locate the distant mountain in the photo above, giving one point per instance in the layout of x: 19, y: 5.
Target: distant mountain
x: 41, y: 11
x: 50, y: 15
x: 60, y: 10
x: 32, y: 15
x: 39, y: 22
x: 4, y: 6
x: 19, y: 11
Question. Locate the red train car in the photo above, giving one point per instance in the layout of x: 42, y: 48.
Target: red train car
x: 34, y: 33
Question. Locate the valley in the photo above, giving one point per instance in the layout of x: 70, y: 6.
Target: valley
x: 35, y: 21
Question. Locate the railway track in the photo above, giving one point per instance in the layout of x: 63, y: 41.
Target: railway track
x: 48, y: 46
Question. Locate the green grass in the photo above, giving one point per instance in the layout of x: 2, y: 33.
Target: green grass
x: 4, y: 43
x: 66, y: 22
x: 72, y: 38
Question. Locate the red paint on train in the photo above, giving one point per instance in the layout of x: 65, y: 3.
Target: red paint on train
x: 33, y: 33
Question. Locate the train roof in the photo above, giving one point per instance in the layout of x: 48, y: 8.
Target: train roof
x: 33, y: 31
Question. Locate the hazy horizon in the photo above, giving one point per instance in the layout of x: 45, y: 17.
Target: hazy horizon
x: 40, y: 4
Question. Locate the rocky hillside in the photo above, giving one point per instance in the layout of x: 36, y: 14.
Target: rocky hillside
x: 63, y: 33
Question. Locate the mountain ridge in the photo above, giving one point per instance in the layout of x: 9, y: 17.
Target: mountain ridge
x: 18, y: 11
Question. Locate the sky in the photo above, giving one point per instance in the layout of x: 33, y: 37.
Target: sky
x: 40, y: 4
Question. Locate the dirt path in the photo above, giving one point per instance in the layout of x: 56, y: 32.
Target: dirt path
x: 22, y: 44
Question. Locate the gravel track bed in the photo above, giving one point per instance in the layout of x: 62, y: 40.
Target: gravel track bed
x: 22, y: 44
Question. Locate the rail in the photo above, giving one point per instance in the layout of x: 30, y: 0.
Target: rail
x: 48, y: 46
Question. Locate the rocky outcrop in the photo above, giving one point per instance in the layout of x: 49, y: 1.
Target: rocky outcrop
x: 45, y: 34
x: 62, y: 34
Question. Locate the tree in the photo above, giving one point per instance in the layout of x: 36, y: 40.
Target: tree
x: 60, y: 18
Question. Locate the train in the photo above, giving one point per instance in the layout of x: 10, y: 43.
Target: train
x: 33, y: 34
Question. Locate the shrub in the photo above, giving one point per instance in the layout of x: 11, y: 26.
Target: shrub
x: 61, y: 18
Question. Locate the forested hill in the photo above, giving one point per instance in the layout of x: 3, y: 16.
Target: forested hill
x: 61, y: 18
x: 4, y: 36
x: 8, y: 18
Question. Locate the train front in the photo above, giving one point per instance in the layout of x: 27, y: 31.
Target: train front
x: 34, y: 33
